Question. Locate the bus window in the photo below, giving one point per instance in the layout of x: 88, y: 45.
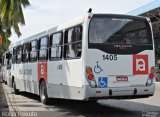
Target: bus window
x: 9, y: 56
x: 33, y: 51
x: 19, y: 54
x: 73, y: 43
x: 43, y: 51
x: 56, y: 46
x: 119, y: 31
x: 14, y: 56
x: 26, y: 49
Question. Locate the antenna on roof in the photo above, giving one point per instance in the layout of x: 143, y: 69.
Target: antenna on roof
x: 90, y: 10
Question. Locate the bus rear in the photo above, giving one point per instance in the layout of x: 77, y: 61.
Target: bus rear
x: 120, y: 57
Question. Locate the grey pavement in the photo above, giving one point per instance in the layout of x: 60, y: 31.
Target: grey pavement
x: 3, y: 102
x: 26, y: 102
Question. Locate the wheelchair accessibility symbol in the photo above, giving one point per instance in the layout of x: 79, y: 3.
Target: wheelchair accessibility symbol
x: 97, y: 68
x: 102, y: 82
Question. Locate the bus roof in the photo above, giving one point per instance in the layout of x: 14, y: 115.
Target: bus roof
x: 63, y: 26
x: 52, y: 30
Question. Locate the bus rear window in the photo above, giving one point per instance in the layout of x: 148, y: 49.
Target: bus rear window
x: 119, y: 31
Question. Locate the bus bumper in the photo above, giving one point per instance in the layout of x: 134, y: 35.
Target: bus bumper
x: 119, y: 92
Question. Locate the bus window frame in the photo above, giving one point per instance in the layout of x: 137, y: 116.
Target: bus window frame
x: 27, y: 50
x: 9, y: 60
x: 18, y: 61
x: 55, y: 46
x: 36, y: 51
x: 14, y: 55
x: 70, y: 43
x: 46, y: 48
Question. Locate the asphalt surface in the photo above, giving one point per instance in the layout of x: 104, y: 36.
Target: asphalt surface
x: 27, y: 103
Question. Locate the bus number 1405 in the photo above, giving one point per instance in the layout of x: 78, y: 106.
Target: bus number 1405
x: 109, y: 57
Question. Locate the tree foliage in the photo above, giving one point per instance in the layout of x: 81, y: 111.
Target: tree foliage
x: 157, y: 52
x: 12, y: 15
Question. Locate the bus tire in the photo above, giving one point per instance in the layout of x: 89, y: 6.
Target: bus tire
x: 15, y: 90
x: 43, y: 93
x: 5, y: 82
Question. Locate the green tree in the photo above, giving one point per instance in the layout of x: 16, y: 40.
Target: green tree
x: 157, y: 53
x: 12, y: 15
x: 4, y: 46
x: 5, y: 42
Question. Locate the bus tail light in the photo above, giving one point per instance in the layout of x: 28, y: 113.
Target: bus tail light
x: 152, y: 70
x: 90, y: 76
x: 89, y: 70
x: 151, y: 75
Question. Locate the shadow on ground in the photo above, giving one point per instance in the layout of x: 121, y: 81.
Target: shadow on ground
x: 105, y: 108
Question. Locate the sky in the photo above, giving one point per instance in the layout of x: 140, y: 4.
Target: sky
x: 46, y: 14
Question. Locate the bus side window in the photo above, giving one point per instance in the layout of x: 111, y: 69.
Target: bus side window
x: 14, y: 56
x: 73, y: 43
x: 43, y: 48
x: 19, y: 54
x: 25, y: 54
x: 33, y: 51
x: 56, y: 46
x: 8, y: 58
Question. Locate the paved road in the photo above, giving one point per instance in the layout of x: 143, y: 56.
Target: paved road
x: 26, y: 102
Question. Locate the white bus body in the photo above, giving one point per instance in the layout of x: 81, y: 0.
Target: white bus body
x: 9, y: 63
x: 4, y: 68
x: 72, y: 65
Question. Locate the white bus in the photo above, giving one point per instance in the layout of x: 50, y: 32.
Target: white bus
x: 97, y: 56
x: 6, y: 66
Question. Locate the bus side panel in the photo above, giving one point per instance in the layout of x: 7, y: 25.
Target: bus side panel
x: 4, y: 69
x: 9, y: 78
x: 18, y: 78
x: 30, y: 77
x: 66, y: 81
x: 26, y: 77
x: 72, y: 72
x: 55, y: 74
x: 72, y: 79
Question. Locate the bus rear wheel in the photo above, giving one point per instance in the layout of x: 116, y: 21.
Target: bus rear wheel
x: 43, y: 93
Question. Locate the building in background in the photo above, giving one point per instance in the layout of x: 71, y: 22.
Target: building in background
x: 152, y: 11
